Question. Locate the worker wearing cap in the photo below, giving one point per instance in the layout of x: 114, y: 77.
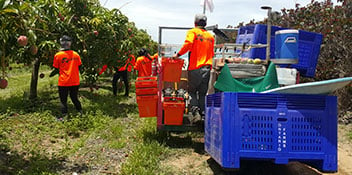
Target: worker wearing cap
x: 123, y: 72
x: 144, y: 63
x: 67, y: 63
x: 200, y: 45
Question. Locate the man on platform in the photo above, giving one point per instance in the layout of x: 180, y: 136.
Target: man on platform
x: 200, y: 45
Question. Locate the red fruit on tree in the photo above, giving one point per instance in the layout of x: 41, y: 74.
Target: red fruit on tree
x: 96, y: 33
x: 3, y: 83
x: 34, y: 50
x: 22, y: 40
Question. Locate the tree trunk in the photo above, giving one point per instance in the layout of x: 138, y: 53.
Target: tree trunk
x: 34, y: 80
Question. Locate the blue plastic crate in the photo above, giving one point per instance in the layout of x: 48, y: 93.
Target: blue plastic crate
x: 277, y: 127
x: 256, y: 34
x: 308, y: 46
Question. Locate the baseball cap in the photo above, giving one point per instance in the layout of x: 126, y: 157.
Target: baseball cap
x: 200, y: 19
x: 65, y: 38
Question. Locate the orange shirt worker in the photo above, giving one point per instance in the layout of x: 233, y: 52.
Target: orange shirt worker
x: 200, y: 45
x: 144, y: 63
x: 123, y: 72
x: 67, y: 63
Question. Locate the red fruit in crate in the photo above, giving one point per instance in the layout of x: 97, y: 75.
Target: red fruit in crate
x: 244, y: 60
x: 3, y: 83
x: 237, y: 60
x: 22, y: 40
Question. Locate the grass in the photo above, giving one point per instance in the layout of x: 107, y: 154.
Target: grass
x: 33, y: 142
x: 109, y: 138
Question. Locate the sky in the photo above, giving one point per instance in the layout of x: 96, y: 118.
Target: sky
x: 150, y: 14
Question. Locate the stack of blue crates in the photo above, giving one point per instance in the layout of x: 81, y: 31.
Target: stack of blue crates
x: 308, y: 46
x: 277, y: 127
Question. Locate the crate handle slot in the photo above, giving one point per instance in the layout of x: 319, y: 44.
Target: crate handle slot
x: 282, y: 119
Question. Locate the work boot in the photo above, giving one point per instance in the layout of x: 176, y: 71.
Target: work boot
x: 195, y: 114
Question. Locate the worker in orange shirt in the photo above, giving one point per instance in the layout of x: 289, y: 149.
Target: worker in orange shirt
x: 123, y: 72
x: 67, y: 63
x: 144, y: 63
x: 200, y: 45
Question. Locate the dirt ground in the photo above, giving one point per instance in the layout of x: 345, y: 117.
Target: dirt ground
x: 194, y: 162
x: 344, y: 151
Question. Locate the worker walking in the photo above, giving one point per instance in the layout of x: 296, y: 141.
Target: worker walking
x: 123, y: 72
x: 200, y: 45
x: 67, y: 63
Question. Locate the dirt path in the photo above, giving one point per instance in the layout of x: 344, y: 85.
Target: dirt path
x: 344, y: 151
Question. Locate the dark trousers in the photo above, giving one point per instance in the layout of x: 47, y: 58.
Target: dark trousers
x: 198, y: 80
x: 116, y: 77
x: 63, y: 94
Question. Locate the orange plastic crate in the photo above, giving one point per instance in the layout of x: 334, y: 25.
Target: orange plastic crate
x: 172, y: 69
x: 147, y: 78
x: 146, y: 82
x: 147, y: 105
x: 173, y: 112
x: 147, y: 91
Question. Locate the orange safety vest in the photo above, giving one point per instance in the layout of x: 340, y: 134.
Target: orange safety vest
x: 144, y: 65
x: 200, y: 44
x: 67, y: 62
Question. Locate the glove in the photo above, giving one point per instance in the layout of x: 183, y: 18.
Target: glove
x: 54, y: 72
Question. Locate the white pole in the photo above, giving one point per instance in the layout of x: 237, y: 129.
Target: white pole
x: 204, y: 7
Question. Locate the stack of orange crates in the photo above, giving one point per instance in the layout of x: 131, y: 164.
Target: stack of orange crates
x: 147, y: 96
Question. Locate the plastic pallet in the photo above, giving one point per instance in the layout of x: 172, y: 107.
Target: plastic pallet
x: 277, y: 127
x: 308, y: 46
